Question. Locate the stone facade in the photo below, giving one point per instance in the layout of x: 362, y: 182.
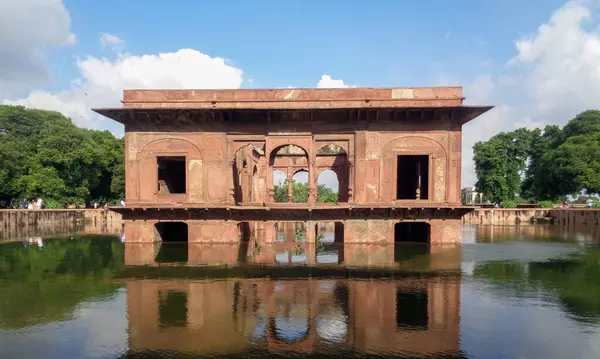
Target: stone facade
x: 229, y: 143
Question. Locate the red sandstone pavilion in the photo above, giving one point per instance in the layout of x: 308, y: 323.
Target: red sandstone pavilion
x: 200, y: 163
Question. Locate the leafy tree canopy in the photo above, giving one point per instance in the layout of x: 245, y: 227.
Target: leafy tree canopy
x: 43, y: 154
x: 300, y: 193
x: 537, y: 164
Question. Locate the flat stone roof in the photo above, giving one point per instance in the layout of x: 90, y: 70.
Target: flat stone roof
x: 308, y: 99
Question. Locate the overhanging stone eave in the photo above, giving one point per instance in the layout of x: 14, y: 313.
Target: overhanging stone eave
x: 125, y: 115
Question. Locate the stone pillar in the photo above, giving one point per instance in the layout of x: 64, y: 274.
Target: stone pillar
x: 140, y: 232
x: 213, y: 231
x: 312, y: 190
x: 231, y: 194
x: 350, y: 181
x: 372, y: 231
x: 290, y: 179
x: 444, y: 232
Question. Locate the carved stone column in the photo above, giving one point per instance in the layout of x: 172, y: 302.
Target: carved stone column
x: 350, y: 181
x: 312, y: 190
x: 290, y: 179
x: 231, y: 194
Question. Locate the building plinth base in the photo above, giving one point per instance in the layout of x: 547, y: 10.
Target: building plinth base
x: 441, y: 232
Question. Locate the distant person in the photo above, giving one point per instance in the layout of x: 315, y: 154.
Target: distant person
x: 30, y: 205
x: 106, y: 206
x: 39, y: 203
x: 565, y: 204
x: 122, y: 203
x: 24, y: 204
x: 95, y: 205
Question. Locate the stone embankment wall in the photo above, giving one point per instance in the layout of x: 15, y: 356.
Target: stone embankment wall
x: 584, y: 216
x: 504, y: 216
x: 17, y: 224
x: 513, y: 216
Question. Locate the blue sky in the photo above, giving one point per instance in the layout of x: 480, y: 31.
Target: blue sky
x: 537, y: 61
x: 281, y: 43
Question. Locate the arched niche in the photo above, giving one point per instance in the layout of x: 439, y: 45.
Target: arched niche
x: 300, y: 186
x: 190, y: 164
x: 329, y: 180
x: 334, y: 157
x: 414, y: 146
x: 246, y: 161
x: 290, y: 159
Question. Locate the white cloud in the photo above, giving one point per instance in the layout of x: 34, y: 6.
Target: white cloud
x: 102, y: 81
x: 327, y: 82
x: 29, y: 29
x: 554, y: 75
x: 112, y: 41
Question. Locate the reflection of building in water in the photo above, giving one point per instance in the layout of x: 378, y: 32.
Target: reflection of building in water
x: 411, y: 316
x: 405, y: 257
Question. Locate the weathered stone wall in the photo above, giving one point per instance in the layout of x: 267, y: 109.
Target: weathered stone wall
x: 512, y: 216
x: 503, y: 216
x: 16, y: 224
x: 368, y: 171
x: 577, y: 217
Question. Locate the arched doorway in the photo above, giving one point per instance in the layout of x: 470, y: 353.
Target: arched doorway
x: 245, y: 174
x: 328, y: 186
x: 334, y: 173
x: 293, y: 161
x: 300, y: 187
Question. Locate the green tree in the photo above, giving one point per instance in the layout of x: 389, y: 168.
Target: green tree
x: 325, y: 194
x: 570, y: 163
x: 500, y: 163
x: 300, y: 193
x: 535, y: 184
x: 541, y: 165
x: 42, y: 153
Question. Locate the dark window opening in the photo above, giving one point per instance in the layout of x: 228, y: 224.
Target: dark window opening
x: 412, y: 177
x: 172, y: 309
x: 411, y: 310
x: 411, y: 232
x: 172, y: 231
x: 171, y: 175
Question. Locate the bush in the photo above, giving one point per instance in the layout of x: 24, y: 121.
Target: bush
x: 546, y: 204
x: 596, y: 204
x: 52, y: 204
x: 509, y: 204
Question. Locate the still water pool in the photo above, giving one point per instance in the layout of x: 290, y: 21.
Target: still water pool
x: 508, y: 292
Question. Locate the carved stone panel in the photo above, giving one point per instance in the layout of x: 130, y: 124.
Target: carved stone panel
x: 439, y: 180
x: 196, y: 181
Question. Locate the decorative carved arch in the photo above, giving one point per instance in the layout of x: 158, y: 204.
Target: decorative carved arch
x: 344, y: 151
x: 171, y: 138
x: 276, y: 149
x: 438, y: 152
x: 298, y: 170
x: 412, y: 145
x: 240, y: 145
